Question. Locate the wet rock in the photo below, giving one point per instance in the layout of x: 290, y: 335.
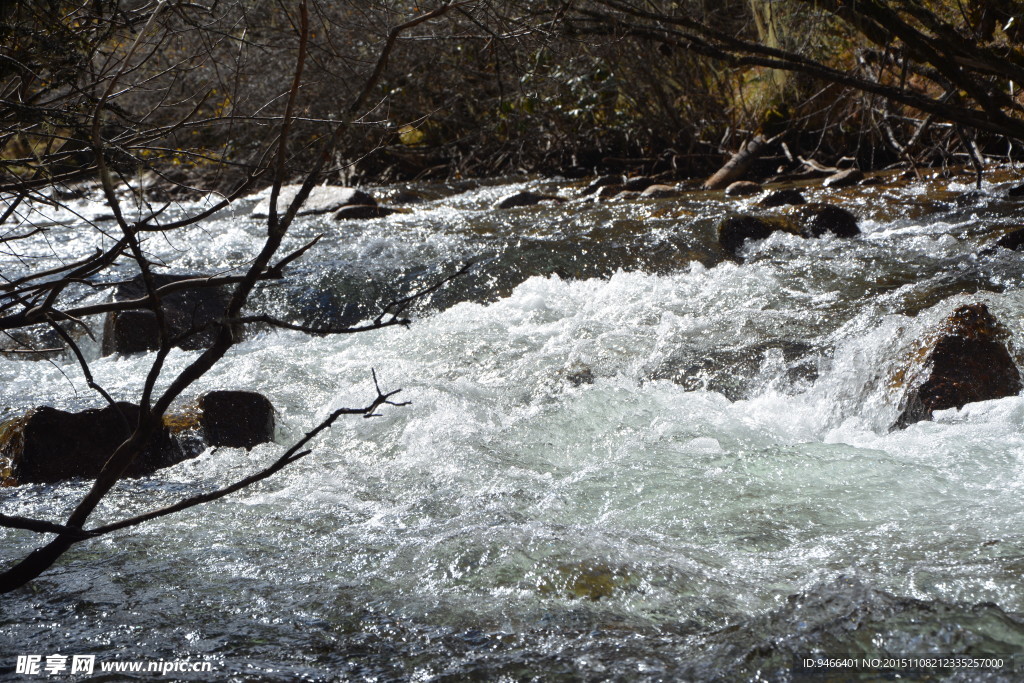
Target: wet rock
x: 579, y: 375
x: 660, y: 192
x: 48, y: 445
x: 1016, y: 191
x: 236, y: 419
x: 970, y: 198
x: 968, y: 362
x: 735, y: 230
x: 808, y: 220
x: 627, y: 195
x: 322, y: 199
x: 817, y: 219
x: 638, y: 184
x: 603, y: 181
x: 782, y: 198
x: 872, y: 181
x: 609, y: 191
x: 1013, y: 240
x: 742, y: 188
x: 363, y: 211
x: 847, y: 178
x: 524, y: 198
x: 190, y: 314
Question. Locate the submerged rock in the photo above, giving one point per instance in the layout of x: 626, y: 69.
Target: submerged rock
x: 524, y: 198
x: 191, y: 315
x: 322, y: 199
x: 968, y: 362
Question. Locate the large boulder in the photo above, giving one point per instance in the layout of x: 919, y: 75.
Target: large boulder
x: 190, y: 316
x: 968, y: 362
x: 46, y: 445
x: 322, y: 199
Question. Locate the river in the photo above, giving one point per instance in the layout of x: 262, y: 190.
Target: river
x: 626, y: 457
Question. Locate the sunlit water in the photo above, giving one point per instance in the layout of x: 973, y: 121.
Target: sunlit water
x: 625, y: 456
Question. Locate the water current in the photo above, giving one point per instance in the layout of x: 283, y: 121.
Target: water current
x: 626, y: 456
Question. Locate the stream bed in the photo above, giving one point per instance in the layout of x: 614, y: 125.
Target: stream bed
x: 626, y: 456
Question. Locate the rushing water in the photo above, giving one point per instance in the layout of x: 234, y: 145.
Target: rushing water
x: 625, y: 456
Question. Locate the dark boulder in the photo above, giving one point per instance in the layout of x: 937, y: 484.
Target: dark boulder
x: 1015, y: 191
x: 603, y: 181
x: 638, y: 184
x: 321, y: 199
x: 236, y: 419
x: 609, y: 191
x: 817, y: 219
x: 363, y: 211
x: 742, y: 188
x: 48, y: 445
x: 735, y: 230
x: 524, y: 198
x: 1013, y: 240
x: 808, y: 220
x: 968, y: 362
x: 782, y: 198
x: 191, y: 316
x: 847, y: 178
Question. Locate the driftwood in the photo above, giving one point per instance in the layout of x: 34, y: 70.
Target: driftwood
x: 738, y: 163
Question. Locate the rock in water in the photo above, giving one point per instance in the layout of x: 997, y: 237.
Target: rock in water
x: 818, y: 219
x: 190, y: 316
x: 603, y: 181
x: 236, y: 419
x: 363, y: 211
x: 660, y: 192
x: 742, y: 188
x: 322, y: 199
x: 735, y: 230
x: 847, y: 178
x: 524, y: 198
x: 781, y: 198
x: 968, y: 363
x: 48, y: 445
